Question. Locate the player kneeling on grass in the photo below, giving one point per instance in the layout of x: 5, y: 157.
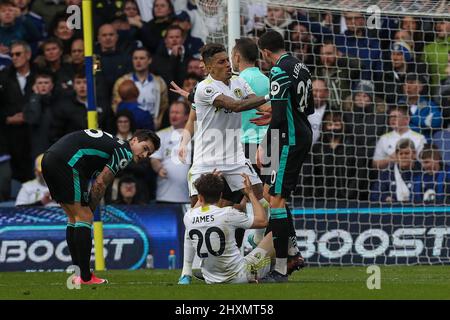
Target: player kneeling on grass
x: 210, y: 230
x: 70, y: 164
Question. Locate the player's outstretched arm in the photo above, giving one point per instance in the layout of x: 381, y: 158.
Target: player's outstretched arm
x: 186, y: 136
x: 104, y: 179
x: 260, y: 217
x: 223, y: 101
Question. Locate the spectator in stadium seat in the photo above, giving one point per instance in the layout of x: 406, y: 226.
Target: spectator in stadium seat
x: 339, y: 72
x: 192, y: 44
x: 70, y: 112
x: 436, y: 54
x: 399, y: 122
x: 38, y: 113
x: 127, y: 34
x: 333, y: 162
x: 401, y: 63
x: 54, y: 62
x: 426, y: 116
x: 363, y: 125
x: 124, y: 125
x: 26, y: 13
x: 189, y: 83
x: 170, y: 61
x: 153, y: 95
x: 35, y: 193
x: 16, y: 83
x: 172, y: 185
x: 432, y: 186
x: 414, y: 26
x: 77, y: 55
x: 63, y: 33
x: 129, y: 95
x: 113, y: 62
x: 277, y: 19
x: 151, y: 34
x: 357, y: 42
x: 47, y: 9
x: 195, y: 66
x: 128, y: 193
x: 395, y: 184
x: 321, y: 96
x: 14, y: 28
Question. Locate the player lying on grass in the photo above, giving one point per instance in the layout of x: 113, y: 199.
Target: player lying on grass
x: 210, y: 230
x: 70, y: 164
x: 210, y: 233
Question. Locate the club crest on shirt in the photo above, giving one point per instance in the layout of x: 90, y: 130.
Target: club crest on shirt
x: 238, y: 93
x: 274, y: 88
x: 209, y: 91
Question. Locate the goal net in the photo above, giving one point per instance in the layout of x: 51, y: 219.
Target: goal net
x: 376, y: 185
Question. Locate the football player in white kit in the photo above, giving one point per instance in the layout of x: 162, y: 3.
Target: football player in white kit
x: 217, y: 146
x: 218, y: 100
x: 210, y: 234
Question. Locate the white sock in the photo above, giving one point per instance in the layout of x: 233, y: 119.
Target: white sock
x: 258, y: 235
x: 281, y: 265
x: 189, y: 253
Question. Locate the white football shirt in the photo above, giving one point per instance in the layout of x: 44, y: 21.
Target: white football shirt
x: 211, y: 233
x: 387, y: 143
x: 217, y: 140
x: 174, y: 187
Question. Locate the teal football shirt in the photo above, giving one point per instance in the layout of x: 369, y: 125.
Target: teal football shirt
x: 259, y: 83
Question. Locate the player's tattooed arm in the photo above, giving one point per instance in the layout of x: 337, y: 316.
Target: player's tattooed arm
x: 223, y: 101
x: 104, y: 179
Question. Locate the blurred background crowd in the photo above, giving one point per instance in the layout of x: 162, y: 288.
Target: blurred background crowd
x: 381, y: 95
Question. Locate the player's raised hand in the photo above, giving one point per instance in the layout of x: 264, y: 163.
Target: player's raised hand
x: 178, y: 90
x: 247, y: 185
x: 263, y: 120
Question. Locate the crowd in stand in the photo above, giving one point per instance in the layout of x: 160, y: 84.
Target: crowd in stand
x: 382, y: 96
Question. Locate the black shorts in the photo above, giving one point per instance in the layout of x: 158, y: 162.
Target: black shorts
x: 250, y: 154
x: 284, y: 177
x: 65, y: 183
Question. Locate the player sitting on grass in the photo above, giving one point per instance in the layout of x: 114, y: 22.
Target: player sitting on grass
x: 210, y: 230
x: 70, y: 164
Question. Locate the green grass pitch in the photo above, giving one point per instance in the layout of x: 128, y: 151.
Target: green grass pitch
x: 399, y: 282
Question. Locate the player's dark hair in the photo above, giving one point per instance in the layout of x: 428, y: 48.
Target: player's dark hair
x: 272, y: 41
x: 193, y: 76
x: 405, y: 144
x: 173, y: 27
x: 80, y: 75
x: 210, y: 49
x: 147, y: 135
x: 44, y: 76
x: 430, y: 151
x: 149, y: 55
x: 53, y: 40
x: 403, y: 108
x: 247, y: 49
x: 210, y: 186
